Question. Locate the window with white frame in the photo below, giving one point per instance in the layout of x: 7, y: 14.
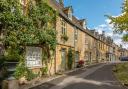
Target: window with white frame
x: 33, y: 57
x: 63, y: 27
x: 70, y: 14
x: 76, y: 33
x: 86, y: 44
x: 84, y: 25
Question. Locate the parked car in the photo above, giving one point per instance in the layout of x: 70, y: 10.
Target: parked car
x: 123, y: 58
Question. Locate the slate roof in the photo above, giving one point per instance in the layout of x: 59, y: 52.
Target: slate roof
x: 75, y: 22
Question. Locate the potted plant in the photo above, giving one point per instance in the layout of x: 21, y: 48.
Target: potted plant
x: 64, y: 37
x: 80, y: 63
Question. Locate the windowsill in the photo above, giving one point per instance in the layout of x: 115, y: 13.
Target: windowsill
x: 36, y: 67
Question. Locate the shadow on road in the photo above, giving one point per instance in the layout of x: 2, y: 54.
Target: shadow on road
x: 101, y: 78
x: 44, y: 86
x: 83, y: 85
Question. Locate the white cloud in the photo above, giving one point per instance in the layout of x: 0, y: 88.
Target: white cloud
x: 109, y: 34
x: 99, y: 30
x: 102, y: 25
x: 77, y: 17
x: 108, y: 28
x: 118, y: 41
x: 107, y: 21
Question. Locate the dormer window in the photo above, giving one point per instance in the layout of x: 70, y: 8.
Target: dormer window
x: 61, y: 2
x: 76, y: 34
x: 68, y: 11
x: 83, y: 23
x: 70, y: 14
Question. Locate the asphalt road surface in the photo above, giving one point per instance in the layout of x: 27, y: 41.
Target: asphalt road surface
x: 96, y: 77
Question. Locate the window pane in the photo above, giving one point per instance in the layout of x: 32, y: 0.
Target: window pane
x: 33, y: 56
x: 62, y: 30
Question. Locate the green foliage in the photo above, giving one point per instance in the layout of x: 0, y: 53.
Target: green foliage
x: 2, y: 60
x: 88, y: 62
x: 64, y: 37
x: 121, y: 72
x: 70, y: 58
x: 33, y: 27
x: 37, y: 27
x: 23, y: 71
x: 44, y: 70
x: 3, y: 69
x: 120, y: 23
x: 61, y: 1
x: 125, y: 37
x: 125, y: 6
x: 13, y: 55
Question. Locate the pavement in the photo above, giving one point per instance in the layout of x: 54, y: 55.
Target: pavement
x: 95, y: 77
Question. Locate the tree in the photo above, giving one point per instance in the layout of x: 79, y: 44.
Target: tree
x: 33, y: 28
x: 120, y: 23
x: 12, y: 22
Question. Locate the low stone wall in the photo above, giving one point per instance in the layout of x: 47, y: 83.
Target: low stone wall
x: 10, y: 84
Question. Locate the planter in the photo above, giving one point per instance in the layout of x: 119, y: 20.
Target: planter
x: 80, y: 64
x: 64, y: 37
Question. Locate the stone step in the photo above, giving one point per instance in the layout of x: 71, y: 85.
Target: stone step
x: 10, y: 77
x: 11, y: 67
x: 10, y: 64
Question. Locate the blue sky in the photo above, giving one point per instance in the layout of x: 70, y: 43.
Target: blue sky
x: 94, y: 10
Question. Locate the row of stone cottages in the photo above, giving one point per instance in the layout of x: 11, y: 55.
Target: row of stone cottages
x: 88, y: 45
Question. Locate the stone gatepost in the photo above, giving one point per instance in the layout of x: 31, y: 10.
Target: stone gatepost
x: 10, y: 84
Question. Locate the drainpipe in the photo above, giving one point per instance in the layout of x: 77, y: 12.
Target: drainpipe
x: 55, y: 49
x: 55, y: 62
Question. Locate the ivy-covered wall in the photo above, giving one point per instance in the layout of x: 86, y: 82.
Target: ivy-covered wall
x: 34, y: 28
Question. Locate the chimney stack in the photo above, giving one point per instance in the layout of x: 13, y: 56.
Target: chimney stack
x: 61, y: 2
x: 103, y: 32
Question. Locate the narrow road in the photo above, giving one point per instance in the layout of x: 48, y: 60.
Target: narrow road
x: 97, y: 77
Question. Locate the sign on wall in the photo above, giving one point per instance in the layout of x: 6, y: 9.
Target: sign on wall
x: 33, y: 57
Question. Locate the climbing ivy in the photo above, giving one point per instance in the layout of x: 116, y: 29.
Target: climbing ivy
x: 70, y: 58
x: 29, y: 26
x: 34, y: 28
x: 23, y: 71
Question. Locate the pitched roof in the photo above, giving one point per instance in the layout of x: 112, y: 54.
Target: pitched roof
x: 75, y: 22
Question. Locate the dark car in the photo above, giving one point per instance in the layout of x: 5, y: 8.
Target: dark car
x: 123, y: 58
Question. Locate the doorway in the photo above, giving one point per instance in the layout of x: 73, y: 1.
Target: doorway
x: 76, y: 58
x: 63, y: 59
